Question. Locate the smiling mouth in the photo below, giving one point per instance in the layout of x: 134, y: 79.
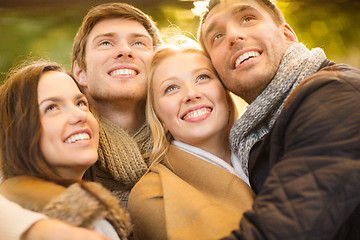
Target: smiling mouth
x: 123, y: 72
x: 78, y: 138
x: 196, y: 113
x: 246, y: 56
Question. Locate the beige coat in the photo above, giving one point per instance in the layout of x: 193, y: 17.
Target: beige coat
x: 80, y: 204
x: 187, y: 198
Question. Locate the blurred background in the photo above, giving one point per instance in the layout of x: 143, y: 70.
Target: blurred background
x: 46, y: 28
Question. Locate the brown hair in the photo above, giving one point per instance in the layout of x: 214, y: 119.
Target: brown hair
x: 109, y: 11
x: 269, y: 5
x: 161, y: 138
x: 20, y: 126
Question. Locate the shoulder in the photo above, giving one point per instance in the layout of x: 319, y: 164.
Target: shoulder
x: 324, y: 104
x: 338, y: 84
x: 148, y: 187
x: 30, y: 192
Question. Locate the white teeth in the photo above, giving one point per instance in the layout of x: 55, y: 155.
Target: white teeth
x: 197, y: 113
x: 246, y: 56
x: 77, y: 138
x: 123, y: 71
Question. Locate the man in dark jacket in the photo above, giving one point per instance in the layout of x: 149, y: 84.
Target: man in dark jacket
x: 299, y: 139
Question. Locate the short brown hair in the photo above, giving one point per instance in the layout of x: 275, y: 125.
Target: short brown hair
x: 110, y: 11
x: 20, y: 126
x: 269, y: 5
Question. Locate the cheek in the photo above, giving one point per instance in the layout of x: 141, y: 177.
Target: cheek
x: 47, y: 134
x: 45, y: 145
x: 165, y: 110
x: 223, y: 101
x: 94, y: 124
x: 146, y: 56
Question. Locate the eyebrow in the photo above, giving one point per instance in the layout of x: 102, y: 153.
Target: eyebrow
x: 236, y: 10
x: 111, y: 34
x: 194, y: 72
x: 58, y: 99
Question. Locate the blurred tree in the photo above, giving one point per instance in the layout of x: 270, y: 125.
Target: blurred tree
x: 47, y: 30
x: 333, y: 25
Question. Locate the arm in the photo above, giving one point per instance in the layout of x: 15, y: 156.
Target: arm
x: 146, y: 208
x: 312, y: 191
x: 50, y: 229
x: 15, y: 220
x: 19, y: 223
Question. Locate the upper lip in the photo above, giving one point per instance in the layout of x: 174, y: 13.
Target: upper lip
x: 194, y: 109
x: 124, y: 67
x: 85, y: 130
x: 245, y: 50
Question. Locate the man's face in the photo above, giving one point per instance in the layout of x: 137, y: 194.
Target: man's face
x: 245, y: 46
x: 117, y: 53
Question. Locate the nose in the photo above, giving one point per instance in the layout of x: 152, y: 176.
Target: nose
x: 234, y: 34
x: 192, y: 94
x: 123, y: 50
x: 76, y: 115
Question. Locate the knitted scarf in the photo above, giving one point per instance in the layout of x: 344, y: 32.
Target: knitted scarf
x: 123, y: 158
x: 297, y: 64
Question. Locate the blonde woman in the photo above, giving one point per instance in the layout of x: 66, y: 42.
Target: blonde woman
x: 195, y: 188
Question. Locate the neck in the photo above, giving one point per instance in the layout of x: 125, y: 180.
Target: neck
x: 71, y: 175
x: 128, y: 115
x: 219, y: 148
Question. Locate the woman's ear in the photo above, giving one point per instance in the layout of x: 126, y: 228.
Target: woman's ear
x: 79, y: 75
x: 166, y: 130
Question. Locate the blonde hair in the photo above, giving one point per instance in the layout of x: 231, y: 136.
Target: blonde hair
x: 161, y: 138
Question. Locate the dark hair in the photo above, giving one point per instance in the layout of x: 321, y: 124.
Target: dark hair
x: 110, y: 11
x: 268, y: 5
x: 20, y: 126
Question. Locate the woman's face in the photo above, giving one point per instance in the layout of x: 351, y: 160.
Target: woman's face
x: 189, y: 99
x: 69, y: 132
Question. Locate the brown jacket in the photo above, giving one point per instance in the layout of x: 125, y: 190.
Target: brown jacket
x: 187, y: 198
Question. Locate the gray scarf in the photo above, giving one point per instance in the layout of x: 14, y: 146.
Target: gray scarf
x: 297, y: 64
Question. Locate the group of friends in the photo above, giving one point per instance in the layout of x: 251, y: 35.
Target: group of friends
x: 142, y: 140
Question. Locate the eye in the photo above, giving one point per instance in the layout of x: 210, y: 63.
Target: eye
x: 247, y: 19
x: 171, y: 88
x: 139, y: 43
x: 82, y: 103
x: 104, y: 43
x: 51, y: 107
x: 217, y: 36
x: 202, y: 77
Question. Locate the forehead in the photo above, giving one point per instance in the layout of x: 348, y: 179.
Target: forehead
x: 227, y: 9
x: 183, y: 62
x: 55, y: 83
x: 119, y: 26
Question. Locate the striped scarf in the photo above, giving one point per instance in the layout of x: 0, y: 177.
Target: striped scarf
x: 297, y: 64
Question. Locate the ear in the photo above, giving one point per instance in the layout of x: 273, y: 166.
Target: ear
x: 79, y: 75
x: 166, y: 130
x: 290, y: 36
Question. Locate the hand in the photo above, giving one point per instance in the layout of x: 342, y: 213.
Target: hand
x: 50, y: 229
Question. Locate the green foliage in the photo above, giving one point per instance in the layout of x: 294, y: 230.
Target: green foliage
x: 49, y: 32
x: 331, y: 25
